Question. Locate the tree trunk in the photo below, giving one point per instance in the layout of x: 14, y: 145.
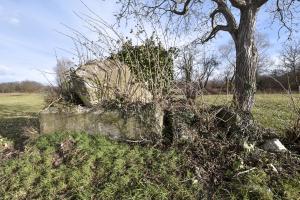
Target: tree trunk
x: 296, y: 78
x: 246, y: 61
x: 189, y: 89
x: 206, y: 81
x: 231, y: 82
x: 226, y: 85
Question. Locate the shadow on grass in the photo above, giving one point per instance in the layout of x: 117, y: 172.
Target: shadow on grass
x: 19, y: 129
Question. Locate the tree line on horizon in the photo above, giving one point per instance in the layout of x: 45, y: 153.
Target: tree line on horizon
x: 23, y: 87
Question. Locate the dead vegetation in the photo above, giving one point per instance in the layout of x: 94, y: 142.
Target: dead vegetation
x: 224, y: 147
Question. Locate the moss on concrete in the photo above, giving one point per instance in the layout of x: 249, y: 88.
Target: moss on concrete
x: 127, y: 121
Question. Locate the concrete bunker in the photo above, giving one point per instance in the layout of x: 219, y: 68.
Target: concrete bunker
x: 114, y: 105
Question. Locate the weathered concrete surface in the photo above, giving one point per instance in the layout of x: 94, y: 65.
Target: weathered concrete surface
x: 180, y: 120
x: 106, y: 80
x: 146, y: 124
x: 274, y: 145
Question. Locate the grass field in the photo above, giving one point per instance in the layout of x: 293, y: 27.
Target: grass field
x: 18, y: 116
x: 20, y: 105
x: 81, y: 166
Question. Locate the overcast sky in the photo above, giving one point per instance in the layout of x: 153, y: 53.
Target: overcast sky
x: 29, y: 34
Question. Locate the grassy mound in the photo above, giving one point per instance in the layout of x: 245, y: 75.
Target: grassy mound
x: 81, y: 166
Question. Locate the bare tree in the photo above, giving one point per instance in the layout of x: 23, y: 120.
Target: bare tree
x: 222, y: 18
x: 264, y: 61
x: 62, y: 70
x: 186, y: 62
x: 209, y: 65
x: 227, y: 53
x: 290, y: 59
x: 63, y: 76
x: 196, y: 66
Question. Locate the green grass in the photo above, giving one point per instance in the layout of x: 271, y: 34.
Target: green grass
x: 271, y: 110
x: 82, y: 166
x: 260, y: 185
x: 275, y: 111
x: 20, y: 105
x: 93, y: 167
x: 18, y: 116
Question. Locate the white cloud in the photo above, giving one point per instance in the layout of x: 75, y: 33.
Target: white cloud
x: 276, y: 59
x: 43, y: 76
x: 8, y: 15
x: 5, y: 70
x: 16, y: 73
x: 14, y: 21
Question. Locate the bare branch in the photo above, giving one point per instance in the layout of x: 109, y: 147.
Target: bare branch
x: 238, y: 3
x: 284, y: 13
x: 231, y: 26
x: 224, y: 10
x: 214, y: 31
x: 184, y: 10
x: 259, y: 3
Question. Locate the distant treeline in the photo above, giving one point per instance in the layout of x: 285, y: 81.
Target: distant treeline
x: 279, y: 81
x: 24, y: 86
x: 275, y: 82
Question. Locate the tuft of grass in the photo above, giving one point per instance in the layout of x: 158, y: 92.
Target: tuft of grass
x: 291, y: 188
x: 253, y: 185
x: 259, y: 185
x: 94, y: 167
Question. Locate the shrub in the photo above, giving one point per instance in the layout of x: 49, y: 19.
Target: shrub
x: 150, y: 62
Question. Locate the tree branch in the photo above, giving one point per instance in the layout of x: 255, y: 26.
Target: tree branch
x: 184, y: 10
x: 214, y: 31
x: 238, y: 3
x: 285, y: 15
x: 225, y: 11
x: 231, y: 26
x: 259, y: 3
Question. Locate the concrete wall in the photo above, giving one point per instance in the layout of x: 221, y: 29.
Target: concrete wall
x: 147, y: 123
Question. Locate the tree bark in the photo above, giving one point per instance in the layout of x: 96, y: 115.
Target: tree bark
x: 296, y: 77
x: 246, y: 60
